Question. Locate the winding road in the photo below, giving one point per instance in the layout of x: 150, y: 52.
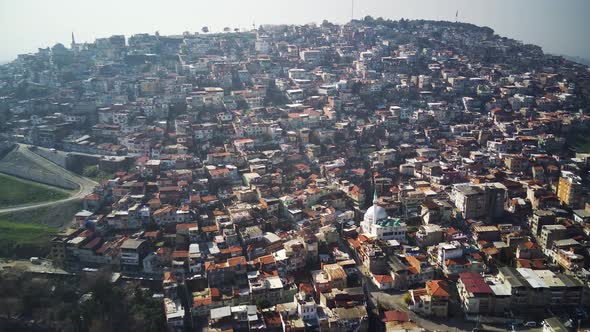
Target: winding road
x: 85, y: 185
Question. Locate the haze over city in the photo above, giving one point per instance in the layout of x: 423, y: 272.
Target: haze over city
x: 559, y: 27
x: 295, y: 166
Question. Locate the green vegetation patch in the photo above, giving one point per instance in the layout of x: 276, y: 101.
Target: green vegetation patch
x: 55, y: 216
x: 87, y: 302
x: 94, y: 173
x: 579, y: 140
x: 14, y: 191
x: 28, y: 233
x: 24, y: 240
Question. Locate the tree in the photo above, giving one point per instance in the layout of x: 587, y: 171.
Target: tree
x: 380, y: 21
x: 205, y: 29
x: 58, y: 305
x: 94, y: 172
x: 90, y: 171
x: 226, y: 29
x: 327, y: 24
x: 407, y: 298
x: 263, y: 304
x: 403, y: 23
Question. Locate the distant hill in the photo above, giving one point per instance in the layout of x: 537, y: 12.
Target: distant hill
x: 577, y: 59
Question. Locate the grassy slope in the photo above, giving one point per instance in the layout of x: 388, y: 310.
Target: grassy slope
x: 24, y: 240
x: 27, y: 233
x: 14, y: 191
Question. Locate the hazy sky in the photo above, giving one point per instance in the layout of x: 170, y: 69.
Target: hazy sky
x: 559, y: 26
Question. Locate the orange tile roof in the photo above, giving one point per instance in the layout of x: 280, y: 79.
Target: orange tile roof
x: 531, y: 245
x: 180, y: 254
x: 362, y: 238
x: 437, y: 288
x: 419, y: 292
x: 306, y: 288
x: 152, y: 234
x: 219, y: 171
x: 354, y: 243
x: 92, y: 197
x: 268, y: 259
x: 457, y: 261
x: 201, y: 302
x: 207, y: 199
x: 168, y: 277
x: 396, y: 316
x: 165, y: 209
x: 236, y: 260
x: 208, y: 229
x: 185, y: 226
x: 383, y: 278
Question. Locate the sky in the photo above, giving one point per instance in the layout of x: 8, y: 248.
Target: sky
x: 559, y: 26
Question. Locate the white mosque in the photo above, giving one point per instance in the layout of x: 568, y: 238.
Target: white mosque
x: 377, y: 225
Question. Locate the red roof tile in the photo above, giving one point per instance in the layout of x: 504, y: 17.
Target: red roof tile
x: 437, y: 288
x: 474, y: 283
x: 395, y: 316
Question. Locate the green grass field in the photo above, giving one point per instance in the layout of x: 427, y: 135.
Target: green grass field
x: 28, y: 233
x: 24, y: 240
x: 14, y: 191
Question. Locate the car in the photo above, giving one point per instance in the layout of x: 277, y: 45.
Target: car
x: 530, y: 324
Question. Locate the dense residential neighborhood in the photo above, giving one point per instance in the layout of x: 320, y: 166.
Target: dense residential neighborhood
x: 378, y: 175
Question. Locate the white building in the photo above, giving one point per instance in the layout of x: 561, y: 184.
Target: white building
x: 376, y: 224
x: 262, y: 44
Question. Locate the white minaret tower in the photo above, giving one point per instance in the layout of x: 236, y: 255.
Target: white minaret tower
x: 73, y: 45
x: 375, y: 201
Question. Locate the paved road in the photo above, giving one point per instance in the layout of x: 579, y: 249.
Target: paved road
x: 85, y: 185
x: 63, y: 153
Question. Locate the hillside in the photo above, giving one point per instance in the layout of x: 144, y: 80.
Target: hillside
x: 25, y: 165
x: 15, y: 191
x: 27, y: 233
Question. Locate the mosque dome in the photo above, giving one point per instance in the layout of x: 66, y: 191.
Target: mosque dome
x: 375, y: 212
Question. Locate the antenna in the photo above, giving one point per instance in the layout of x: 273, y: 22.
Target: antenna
x: 457, y: 16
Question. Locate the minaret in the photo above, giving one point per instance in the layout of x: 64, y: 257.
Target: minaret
x: 375, y: 201
x: 73, y: 45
